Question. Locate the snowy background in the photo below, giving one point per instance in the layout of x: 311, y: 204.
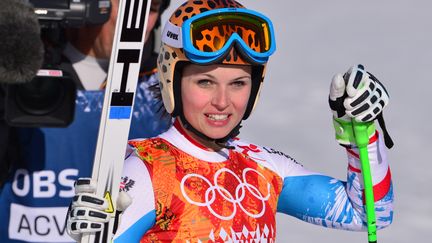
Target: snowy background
x: 316, y: 39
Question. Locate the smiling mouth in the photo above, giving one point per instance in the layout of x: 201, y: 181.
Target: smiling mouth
x: 217, y: 117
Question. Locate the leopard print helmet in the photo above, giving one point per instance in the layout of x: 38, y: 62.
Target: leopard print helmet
x: 171, y: 54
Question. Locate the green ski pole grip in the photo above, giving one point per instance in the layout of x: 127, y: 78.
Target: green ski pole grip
x: 362, y: 141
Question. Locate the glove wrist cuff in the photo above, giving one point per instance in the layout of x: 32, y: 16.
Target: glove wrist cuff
x: 344, y: 132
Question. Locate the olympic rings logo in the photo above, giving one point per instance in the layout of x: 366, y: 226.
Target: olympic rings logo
x: 236, y: 200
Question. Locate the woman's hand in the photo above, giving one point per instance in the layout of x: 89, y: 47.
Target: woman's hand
x: 357, y: 94
x: 87, y: 212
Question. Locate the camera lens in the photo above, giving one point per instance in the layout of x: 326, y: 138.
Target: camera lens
x: 41, y: 96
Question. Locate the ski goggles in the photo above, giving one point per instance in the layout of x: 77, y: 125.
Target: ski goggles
x: 208, y: 36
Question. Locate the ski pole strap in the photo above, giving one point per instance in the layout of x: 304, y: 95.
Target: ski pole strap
x: 362, y: 141
x: 344, y: 131
x: 387, y: 139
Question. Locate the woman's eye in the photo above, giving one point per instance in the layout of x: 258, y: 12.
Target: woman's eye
x: 204, y: 82
x: 238, y: 83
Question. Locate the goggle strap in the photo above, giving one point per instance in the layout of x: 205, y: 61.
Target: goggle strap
x: 172, y: 35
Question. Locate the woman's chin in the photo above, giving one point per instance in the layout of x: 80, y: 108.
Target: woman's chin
x: 217, y: 133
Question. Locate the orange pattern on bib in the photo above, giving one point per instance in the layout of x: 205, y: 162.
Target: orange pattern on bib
x: 200, y: 201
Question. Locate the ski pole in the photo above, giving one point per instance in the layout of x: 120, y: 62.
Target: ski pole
x: 362, y: 141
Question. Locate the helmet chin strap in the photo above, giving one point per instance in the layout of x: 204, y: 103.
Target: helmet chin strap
x: 220, y: 142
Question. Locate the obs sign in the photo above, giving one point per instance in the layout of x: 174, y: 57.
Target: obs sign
x: 41, y: 224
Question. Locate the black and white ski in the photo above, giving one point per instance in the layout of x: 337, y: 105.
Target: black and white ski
x: 115, y: 121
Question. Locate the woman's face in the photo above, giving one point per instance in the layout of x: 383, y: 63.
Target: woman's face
x: 215, y: 97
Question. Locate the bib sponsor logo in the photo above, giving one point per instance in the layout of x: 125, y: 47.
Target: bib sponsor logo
x: 251, y: 148
x: 44, y: 183
x: 273, y: 151
x: 38, y: 224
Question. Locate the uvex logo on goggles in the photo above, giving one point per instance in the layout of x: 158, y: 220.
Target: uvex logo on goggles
x: 208, y: 36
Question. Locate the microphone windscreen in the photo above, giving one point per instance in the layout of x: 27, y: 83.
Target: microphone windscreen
x: 21, y: 48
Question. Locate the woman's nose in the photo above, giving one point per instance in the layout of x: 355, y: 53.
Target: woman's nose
x: 220, y: 99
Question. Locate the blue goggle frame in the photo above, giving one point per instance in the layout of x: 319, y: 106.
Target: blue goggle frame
x: 202, y: 57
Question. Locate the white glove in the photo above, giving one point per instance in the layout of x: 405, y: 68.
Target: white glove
x: 357, y: 94
x: 86, y: 213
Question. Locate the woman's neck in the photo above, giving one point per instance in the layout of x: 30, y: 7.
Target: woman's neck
x: 195, y: 139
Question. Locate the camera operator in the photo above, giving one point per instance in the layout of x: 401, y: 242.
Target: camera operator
x: 44, y: 162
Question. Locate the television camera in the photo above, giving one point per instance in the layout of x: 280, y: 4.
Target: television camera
x: 48, y: 99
